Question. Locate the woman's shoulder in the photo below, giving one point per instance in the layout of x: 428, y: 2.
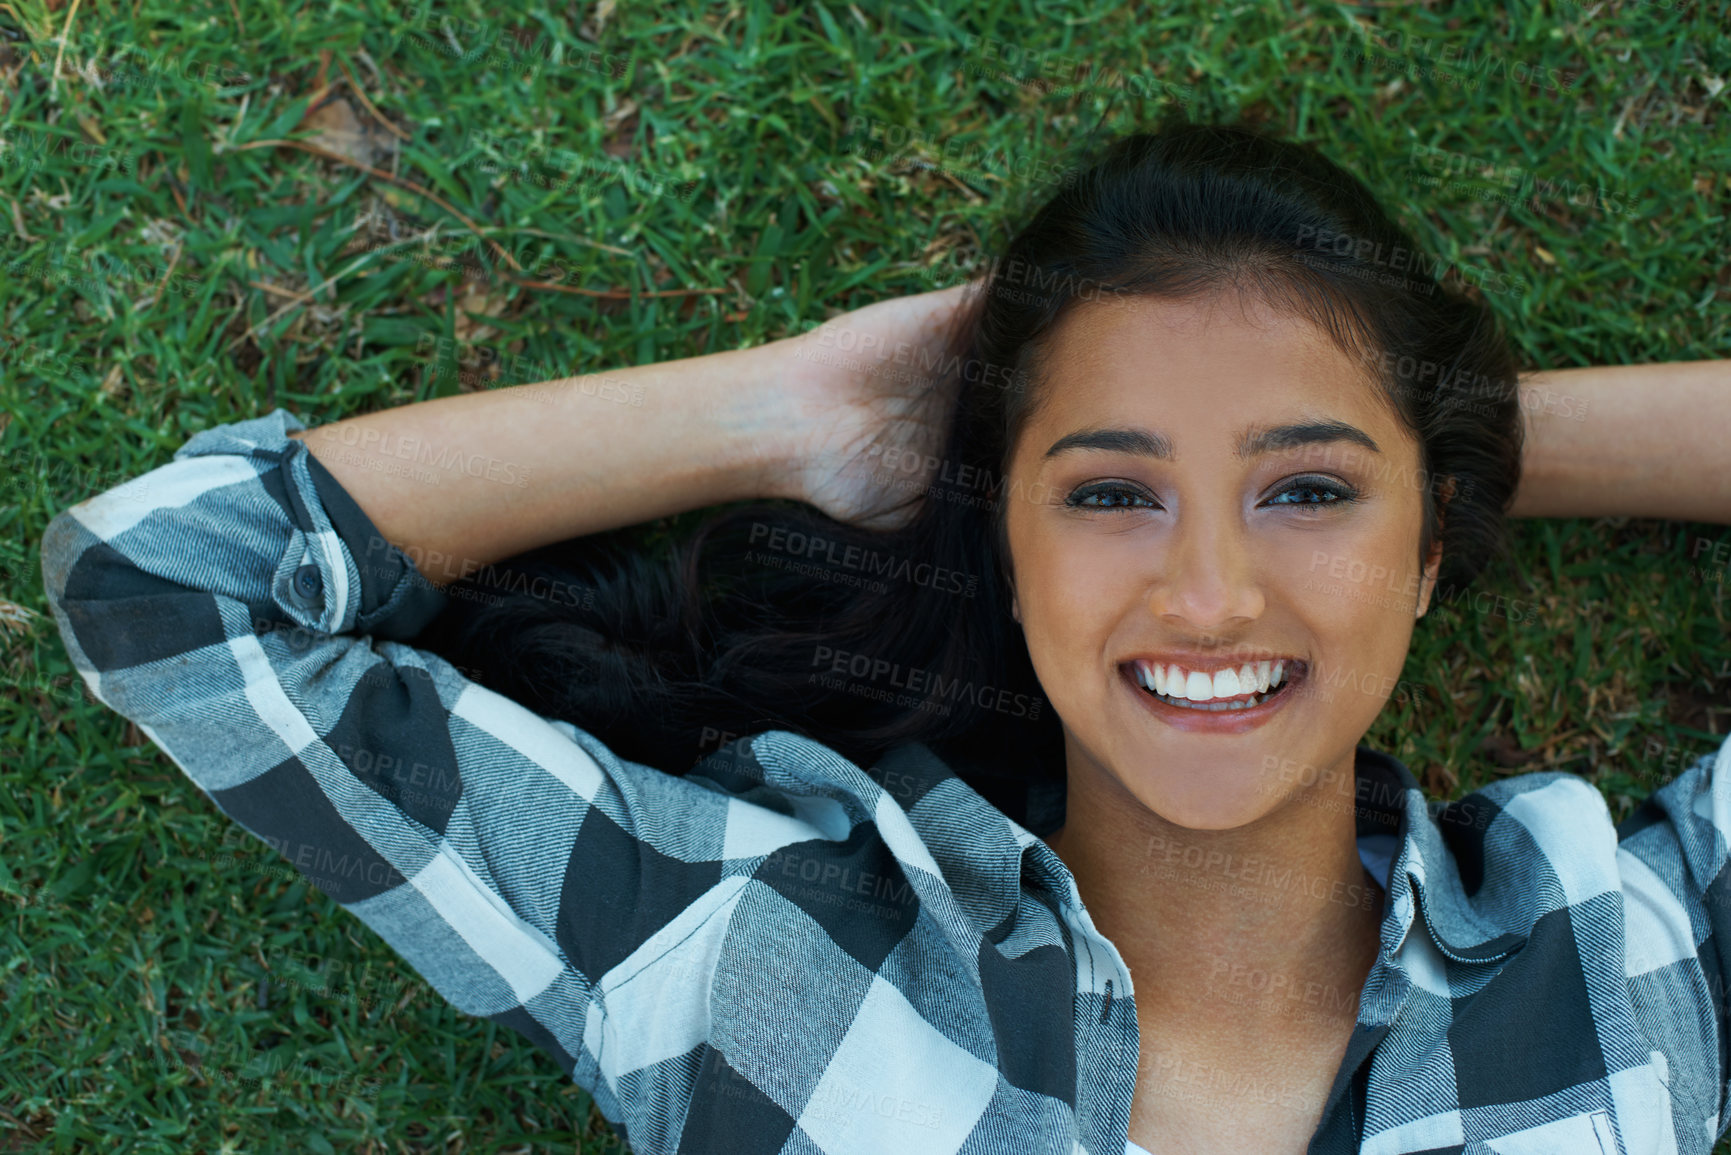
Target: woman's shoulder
x: 1532, y: 843
x: 910, y: 811
x: 1551, y: 801
x: 913, y: 776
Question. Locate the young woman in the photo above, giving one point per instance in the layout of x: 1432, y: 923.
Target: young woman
x: 990, y: 780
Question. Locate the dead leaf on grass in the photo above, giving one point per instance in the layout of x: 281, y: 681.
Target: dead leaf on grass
x: 482, y: 301
x: 14, y: 617
x: 1505, y: 751
x: 340, y: 129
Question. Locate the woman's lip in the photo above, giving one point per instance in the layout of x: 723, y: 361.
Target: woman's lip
x: 1211, y: 721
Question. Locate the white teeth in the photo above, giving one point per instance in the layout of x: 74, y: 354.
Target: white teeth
x: 1252, y: 678
x: 1199, y: 687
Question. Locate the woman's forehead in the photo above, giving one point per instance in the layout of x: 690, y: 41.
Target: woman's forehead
x: 1192, y: 361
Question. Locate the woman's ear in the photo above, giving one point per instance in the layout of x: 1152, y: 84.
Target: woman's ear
x: 1433, y: 563
x: 1010, y: 581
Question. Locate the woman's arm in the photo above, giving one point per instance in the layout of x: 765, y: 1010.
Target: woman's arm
x: 239, y: 606
x: 462, y: 482
x: 234, y: 605
x: 1628, y: 440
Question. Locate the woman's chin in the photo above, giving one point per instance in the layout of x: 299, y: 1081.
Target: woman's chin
x: 1208, y: 808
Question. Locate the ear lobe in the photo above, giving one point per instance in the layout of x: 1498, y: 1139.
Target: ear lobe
x: 1428, y: 585
x: 1433, y: 563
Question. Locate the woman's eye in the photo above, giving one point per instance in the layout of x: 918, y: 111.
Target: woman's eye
x: 1308, y: 493
x: 1111, y: 497
x: 1316, y: 491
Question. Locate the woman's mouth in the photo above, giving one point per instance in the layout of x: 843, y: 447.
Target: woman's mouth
x: 1240, y: 688
x: 1246, y: 693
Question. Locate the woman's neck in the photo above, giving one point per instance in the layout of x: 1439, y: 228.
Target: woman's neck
x: 1222, y: 927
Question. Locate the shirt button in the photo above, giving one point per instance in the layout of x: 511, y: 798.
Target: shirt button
x: 308, y: 582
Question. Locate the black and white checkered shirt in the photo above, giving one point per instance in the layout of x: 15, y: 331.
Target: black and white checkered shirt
x: 784, y: 952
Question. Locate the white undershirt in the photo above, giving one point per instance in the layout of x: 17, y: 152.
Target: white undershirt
x: 1377, y: 852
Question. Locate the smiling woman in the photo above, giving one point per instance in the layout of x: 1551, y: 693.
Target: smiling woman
x: 773, y: 844
x: 1192, y: 543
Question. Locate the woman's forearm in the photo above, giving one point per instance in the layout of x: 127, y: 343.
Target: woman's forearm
x: 461, y: 482
x: 1630, y: 440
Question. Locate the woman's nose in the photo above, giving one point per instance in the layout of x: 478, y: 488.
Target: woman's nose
x: 1207, y: 581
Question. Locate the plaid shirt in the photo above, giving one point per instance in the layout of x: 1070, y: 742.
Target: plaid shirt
x: 784, y: 952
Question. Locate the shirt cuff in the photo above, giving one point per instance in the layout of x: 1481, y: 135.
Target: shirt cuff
x: 338, y: 573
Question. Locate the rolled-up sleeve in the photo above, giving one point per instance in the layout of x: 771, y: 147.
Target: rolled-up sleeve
x: 1674, y: 851
x: 241, y: 609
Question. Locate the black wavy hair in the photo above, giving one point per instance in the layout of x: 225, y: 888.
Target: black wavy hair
x: 741, y: 624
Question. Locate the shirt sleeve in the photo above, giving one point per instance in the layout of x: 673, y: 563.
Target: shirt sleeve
x: 1673, y: 853
x: 241, y: 609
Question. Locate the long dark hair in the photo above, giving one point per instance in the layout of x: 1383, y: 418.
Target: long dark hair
x: 771, y: 615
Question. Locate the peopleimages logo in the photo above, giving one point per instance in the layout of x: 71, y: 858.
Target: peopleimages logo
x: 67, y: 266
x: 30, y: 150
x: 380, y: 558
x: 1440, y: 164
x: 1457, y: 64
x: 874, y: 138
x: 922, y: 683
x: 1254, y: 872
x: 511, y: 157
x: 934, y: 365
x: 869, y: 562
x: 45, y: 359
x: 499, y: 46
x: 149, y: 71
x: 388, y: 444
x: 322, y: 866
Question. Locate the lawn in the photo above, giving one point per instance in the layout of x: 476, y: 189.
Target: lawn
x: 213, y: 209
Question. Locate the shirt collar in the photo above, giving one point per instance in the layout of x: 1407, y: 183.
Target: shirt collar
x: 1425, y: 881
x: 1436, y: 840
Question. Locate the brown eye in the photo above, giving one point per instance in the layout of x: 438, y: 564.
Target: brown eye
x: 1315, y: 491
x: 1113, y: 496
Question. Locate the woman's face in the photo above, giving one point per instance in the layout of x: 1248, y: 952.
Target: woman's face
x: 1206, y: 484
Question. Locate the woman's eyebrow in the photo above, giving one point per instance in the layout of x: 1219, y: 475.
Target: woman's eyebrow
x: 1253, y: 441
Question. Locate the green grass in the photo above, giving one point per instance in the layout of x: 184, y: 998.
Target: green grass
x: 154, y: 956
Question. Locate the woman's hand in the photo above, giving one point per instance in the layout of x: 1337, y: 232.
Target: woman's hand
x: 868, y: 392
